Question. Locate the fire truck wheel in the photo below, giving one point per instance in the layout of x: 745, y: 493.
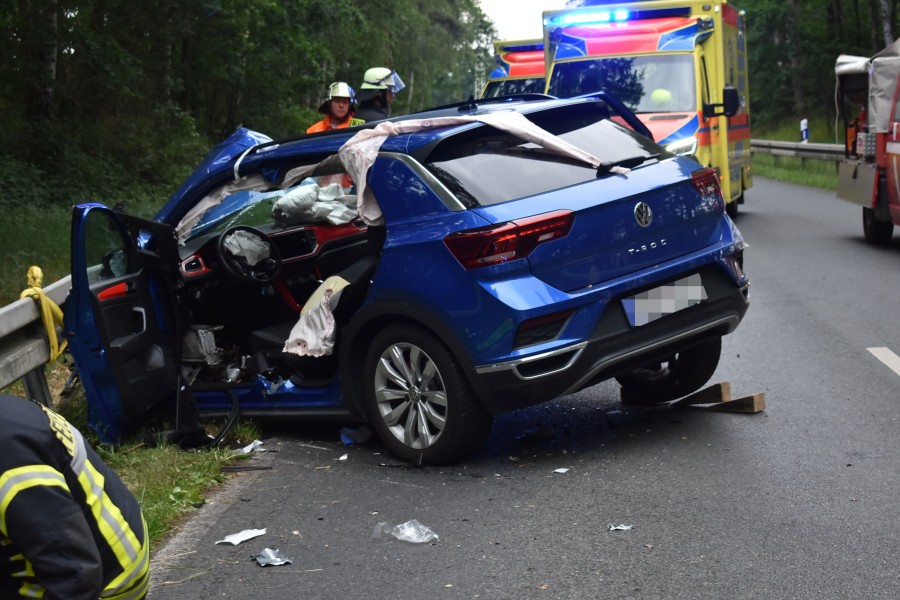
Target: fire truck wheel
x: 878, y: 233
x: 732, y: 208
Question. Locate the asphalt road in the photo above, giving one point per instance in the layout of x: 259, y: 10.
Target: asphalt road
x: 799, y: 501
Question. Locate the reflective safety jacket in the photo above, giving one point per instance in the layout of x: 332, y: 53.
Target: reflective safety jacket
x: 325, y: 124
x: 69, y: 528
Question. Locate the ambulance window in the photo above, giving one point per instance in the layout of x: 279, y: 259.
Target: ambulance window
x: 704, y: 80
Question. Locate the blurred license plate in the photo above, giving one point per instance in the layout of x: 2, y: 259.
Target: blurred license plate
x: 651, y: 305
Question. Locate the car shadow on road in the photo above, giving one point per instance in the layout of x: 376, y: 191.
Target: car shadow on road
x: 588, y: 425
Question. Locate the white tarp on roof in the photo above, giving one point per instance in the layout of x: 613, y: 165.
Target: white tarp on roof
x: 883, y: 71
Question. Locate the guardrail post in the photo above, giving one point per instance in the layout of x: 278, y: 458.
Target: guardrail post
x: 36, y: 387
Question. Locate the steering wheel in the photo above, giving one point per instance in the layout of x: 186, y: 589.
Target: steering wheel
x: 248, y: 255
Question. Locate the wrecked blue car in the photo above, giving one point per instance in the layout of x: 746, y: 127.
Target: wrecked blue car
x: 421, y: 275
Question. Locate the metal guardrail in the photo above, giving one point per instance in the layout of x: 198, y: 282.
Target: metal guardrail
x: 24, y: 349
x: 832, y: 152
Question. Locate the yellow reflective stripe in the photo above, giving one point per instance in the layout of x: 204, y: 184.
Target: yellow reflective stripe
x: 132, y: 556
x: 134, y: 580
x: 21, y: 478
x: 138, y: 589
x: 31, y: 590
x: 29, y: 568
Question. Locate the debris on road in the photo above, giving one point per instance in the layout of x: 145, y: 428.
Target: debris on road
x: 411, y: 531
x: 236, y: 538
x: 359, y: 435
x: 254, y: 445
x: 562, y: 470
x: 620, y: 527
x: 271, y: 557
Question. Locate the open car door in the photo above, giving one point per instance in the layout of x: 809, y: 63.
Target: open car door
x: 118, y: 316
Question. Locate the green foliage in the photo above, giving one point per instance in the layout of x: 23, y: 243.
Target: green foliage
x: 792, y: 47
x: 114, y: 95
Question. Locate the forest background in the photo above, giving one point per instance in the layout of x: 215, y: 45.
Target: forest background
x: 117, y: 100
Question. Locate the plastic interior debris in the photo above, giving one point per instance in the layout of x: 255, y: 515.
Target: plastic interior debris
x: 561, y: 470
x: 236, y: 538
x: 254, y: 445
x: 359, y: 435
x: 271, y: 557
x: 411, y: 531
x: 620, y: 527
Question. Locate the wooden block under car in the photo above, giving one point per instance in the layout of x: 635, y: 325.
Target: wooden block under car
x: 719, y: 392
x: 748, y: 404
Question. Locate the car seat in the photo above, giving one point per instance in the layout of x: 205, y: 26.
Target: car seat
x: 266, y: 345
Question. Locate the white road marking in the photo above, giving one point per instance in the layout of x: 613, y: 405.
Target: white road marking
x: 887, y: 357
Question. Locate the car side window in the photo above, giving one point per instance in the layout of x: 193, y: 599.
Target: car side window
x: 106, y: 248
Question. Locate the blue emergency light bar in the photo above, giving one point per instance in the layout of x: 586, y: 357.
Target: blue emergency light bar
x: 601, y: 16
x: 612, y: 15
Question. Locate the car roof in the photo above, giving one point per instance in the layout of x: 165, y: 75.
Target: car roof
x: 248, y: 151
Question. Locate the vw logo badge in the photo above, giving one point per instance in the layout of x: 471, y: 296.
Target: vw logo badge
x: 642, y: 214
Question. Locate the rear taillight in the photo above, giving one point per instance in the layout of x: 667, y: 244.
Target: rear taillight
x: 503, y: 242
x: 706, y: 181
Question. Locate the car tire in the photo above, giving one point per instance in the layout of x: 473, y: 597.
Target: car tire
x: 684, y: 373
x: 878, y: 233
x: 732, y: 207
x: 418, y: 399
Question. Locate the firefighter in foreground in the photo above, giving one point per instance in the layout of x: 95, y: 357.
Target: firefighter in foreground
x: 339, y: 107
x: 69, y: 528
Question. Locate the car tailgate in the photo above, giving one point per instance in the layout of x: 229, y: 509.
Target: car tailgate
x: 606, y: 241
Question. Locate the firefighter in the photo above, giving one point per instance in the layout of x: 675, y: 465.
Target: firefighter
x: 69, y: 528
x: 377, y: 92
x: 339, y: 107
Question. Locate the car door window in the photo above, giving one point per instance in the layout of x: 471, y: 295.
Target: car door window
x: 106, y: 249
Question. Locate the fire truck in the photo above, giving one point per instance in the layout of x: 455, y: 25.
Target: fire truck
x: 869, y: 174
x: 681, y: 65
x: 520, y: 69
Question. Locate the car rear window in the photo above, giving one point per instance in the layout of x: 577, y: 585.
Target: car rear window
x: 485, y: 166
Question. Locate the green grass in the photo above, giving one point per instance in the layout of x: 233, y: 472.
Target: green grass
x: 813, y: 173
x: 802, y: 171
x: 168, y: 482
x: 32, y: 236
x: 38, y: 234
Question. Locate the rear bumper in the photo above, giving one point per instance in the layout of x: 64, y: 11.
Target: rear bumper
x: 613, y: 347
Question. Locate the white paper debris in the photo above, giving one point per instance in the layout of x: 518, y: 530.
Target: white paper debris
x: 620, y: 527
x: 344, y: 457
x: 254, y: 445
x: 561, y: 470
x: 236, y: 538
